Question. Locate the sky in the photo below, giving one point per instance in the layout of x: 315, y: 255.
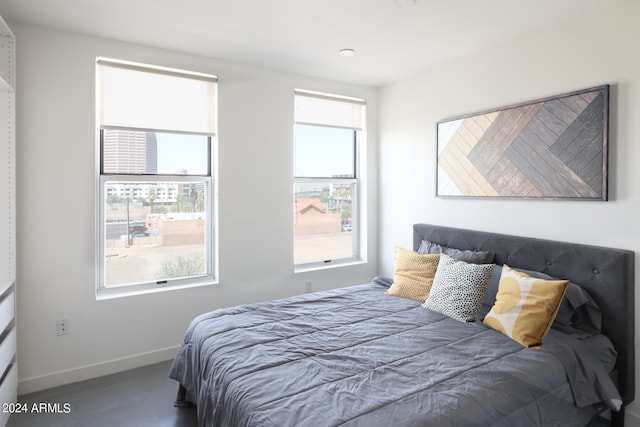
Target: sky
x: 323, y: 151
x: 319, y: 152
x: 176, y: 152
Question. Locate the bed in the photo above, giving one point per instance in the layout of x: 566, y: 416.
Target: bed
x: 358, y: 356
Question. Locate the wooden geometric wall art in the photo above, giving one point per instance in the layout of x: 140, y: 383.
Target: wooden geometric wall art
x: 552, y: 148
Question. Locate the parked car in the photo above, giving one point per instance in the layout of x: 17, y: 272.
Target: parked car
x: 138, y: 229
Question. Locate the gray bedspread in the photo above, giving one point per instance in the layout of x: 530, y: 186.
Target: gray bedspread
x: 356, y: 357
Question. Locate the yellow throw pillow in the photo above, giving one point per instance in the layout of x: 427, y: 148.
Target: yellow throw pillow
x: 525, y: 306
x: 413, y: 274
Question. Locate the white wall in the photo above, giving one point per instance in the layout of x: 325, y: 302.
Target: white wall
x: 56, y: 208
x: 592, y: 50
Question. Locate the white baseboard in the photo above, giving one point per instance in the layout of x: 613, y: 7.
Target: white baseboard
x: 55, y: 379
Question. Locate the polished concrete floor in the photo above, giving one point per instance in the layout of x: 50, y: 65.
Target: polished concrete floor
x: 141, y: 397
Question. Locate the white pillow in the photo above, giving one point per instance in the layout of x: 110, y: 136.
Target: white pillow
x: 459, y: 288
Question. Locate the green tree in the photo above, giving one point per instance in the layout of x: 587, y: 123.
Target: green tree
x: 346, y: 212
x: 200, y: 202
x: 182, y: 204
x: 114, y: 198
x: 152, y: 198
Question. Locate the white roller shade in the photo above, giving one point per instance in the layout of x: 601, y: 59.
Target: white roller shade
x: 326, y: 110
x: 134, y: 96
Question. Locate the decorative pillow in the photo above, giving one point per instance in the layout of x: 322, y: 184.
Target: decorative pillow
x: 578, y: 314
x: 458, y: 288
x: 413, y: 274
x: 476, y: 257
x: 525, y: 306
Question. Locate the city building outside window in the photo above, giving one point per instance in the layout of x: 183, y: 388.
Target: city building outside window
x: 328, y: 132
x: 156, y: 177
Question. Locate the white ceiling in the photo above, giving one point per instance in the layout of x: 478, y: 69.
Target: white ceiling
x: 304, y: 36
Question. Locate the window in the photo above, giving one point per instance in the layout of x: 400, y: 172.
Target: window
x: 156, y: 158
x: 326, y: 178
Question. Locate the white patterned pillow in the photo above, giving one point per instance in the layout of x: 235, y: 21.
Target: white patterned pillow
x: 458, y: 288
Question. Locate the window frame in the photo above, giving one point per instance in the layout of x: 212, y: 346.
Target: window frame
x: 208, y: 180
x: 357, y: 198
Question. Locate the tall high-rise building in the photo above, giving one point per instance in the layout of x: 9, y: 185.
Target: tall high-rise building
x: 130, y: 152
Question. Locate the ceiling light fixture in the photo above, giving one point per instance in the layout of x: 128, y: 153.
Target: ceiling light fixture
x: 347, y: 52
x: 404, y: 3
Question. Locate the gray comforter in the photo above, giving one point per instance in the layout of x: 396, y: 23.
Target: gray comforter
x: 356, y: 357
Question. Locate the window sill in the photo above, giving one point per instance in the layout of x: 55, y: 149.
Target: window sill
x: 326, y: 266
x: 123, y: 292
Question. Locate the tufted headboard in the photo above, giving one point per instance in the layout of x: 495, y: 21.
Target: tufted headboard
x: 608, y: 275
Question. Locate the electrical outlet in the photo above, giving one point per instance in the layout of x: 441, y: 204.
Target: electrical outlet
x: 63, y: 326
x: 308, y: 286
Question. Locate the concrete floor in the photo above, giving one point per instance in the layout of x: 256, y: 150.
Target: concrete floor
x: 141, y: 397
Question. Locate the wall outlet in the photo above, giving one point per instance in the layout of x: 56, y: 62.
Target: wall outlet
x: 308, y: 286
x: 63, y: 326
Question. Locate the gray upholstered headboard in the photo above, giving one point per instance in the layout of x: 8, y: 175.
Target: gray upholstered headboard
x: 608, y: 275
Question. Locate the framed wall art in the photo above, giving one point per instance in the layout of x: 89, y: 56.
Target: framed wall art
x: 552, y: 148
